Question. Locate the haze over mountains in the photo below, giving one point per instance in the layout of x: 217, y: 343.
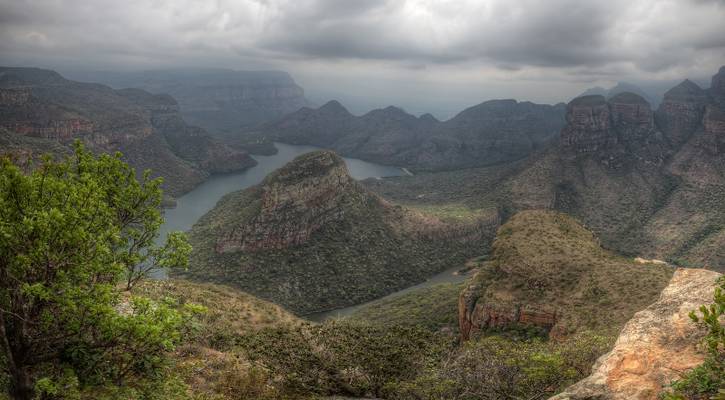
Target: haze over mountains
x: 222, y: 101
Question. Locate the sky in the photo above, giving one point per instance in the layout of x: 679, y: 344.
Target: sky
x: 423, y: 55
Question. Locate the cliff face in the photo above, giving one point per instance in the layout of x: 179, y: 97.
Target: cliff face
x: 654, y: 347
x: 624, y: 123
x: 492, y: 132
x: 146, y: 128
x: 224, y: 102
x: 296, y: 201
x: 549, y: 272
x: 311, y: 238
x: 681, y: 111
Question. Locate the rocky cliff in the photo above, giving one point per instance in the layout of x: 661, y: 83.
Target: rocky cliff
x: 549, y: 272
x: 147, y: 128
x: 222, y: 101
x: 311, y: 238
x: 491, y: 132
x: 295, y: 201
x: 654, y: 347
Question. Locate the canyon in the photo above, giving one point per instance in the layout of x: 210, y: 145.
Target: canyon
x: 146, y: 128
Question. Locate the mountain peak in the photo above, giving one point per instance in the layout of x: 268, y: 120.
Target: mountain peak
x: 334, y: 106
x: 628, y: 98
x: 296, y: 200
x: 589, y: 100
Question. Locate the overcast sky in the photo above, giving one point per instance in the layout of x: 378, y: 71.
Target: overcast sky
x: 419, y: 54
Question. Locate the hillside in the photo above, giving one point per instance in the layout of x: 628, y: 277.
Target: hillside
x: 548, y: 271
x: 146, y: 128
x: 311, y: 238
x: 489, y: 133
x: 648, y: 183
x: 222, y: 101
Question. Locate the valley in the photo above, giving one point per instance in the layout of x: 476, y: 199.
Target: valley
x: 511, y: 243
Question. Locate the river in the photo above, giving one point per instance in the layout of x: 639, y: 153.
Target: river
x: 194, y: 204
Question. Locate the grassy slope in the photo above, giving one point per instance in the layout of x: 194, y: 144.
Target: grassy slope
x: 547, y: 260
x: 209, y: 361
x: 346, y: 262
x: 433, y: 307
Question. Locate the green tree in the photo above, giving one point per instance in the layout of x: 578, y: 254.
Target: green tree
x: 70, y: 233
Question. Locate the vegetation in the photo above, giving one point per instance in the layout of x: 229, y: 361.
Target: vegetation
x: 434, y: 308
x: 495, y: 367
x: 70, y: 232
x: 547, y: 260
x: 371, y: 252
x: 707, y: 381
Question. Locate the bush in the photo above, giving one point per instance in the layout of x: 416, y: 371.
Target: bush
x: 344, y: 357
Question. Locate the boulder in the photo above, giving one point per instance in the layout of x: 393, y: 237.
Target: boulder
x: 654, y: 347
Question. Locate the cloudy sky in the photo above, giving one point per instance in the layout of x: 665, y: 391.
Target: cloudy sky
x: 420, y: 54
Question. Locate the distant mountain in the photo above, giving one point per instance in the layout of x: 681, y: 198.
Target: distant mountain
x: 311, y: 238
x: 222, y: 101
x: 39, y: 107
x: 492, y: 132
x: 621, y: 87
x: 648, y: 183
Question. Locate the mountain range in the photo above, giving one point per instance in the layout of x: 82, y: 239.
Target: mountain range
x: 492, y: 132
x: 40, y: 110
x: 224, y: 102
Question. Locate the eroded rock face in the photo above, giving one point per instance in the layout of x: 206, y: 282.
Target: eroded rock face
x: 714, y: 125
x: 296, y: 201
x: 474, y: 316
x: 589, y: 124
x: 631, y: 116
x: 680, y: 113
x: 656, y: 345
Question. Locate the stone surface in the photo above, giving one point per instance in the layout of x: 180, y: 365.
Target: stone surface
x: 296, y: 201
x: 680, y: 113
x: 654, y: 347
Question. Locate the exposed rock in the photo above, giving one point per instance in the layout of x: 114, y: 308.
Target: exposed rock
x: 632, y: 117
x: 296, y: 201
x: 654, y: 347
x: 680, y: 113
x: 717, y: 87
x: 589, y: 124
x: 147, y: 128
x: 714, y: 126
x: 549, y: 272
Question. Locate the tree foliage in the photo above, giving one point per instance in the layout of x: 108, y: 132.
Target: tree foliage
x: 71, y: 232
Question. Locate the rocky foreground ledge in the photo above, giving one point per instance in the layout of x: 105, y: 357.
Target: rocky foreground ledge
x: 655, y: 346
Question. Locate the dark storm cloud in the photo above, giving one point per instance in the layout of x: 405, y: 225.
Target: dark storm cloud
x: 559, y: 36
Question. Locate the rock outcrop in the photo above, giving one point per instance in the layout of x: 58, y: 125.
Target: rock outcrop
x: 548, y: 272
x: 489, y: 133
x: 596, y: 125
x: 296, y: 201
x: 654, y: 347
x: 589, y: 124
x: 680, y: 113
